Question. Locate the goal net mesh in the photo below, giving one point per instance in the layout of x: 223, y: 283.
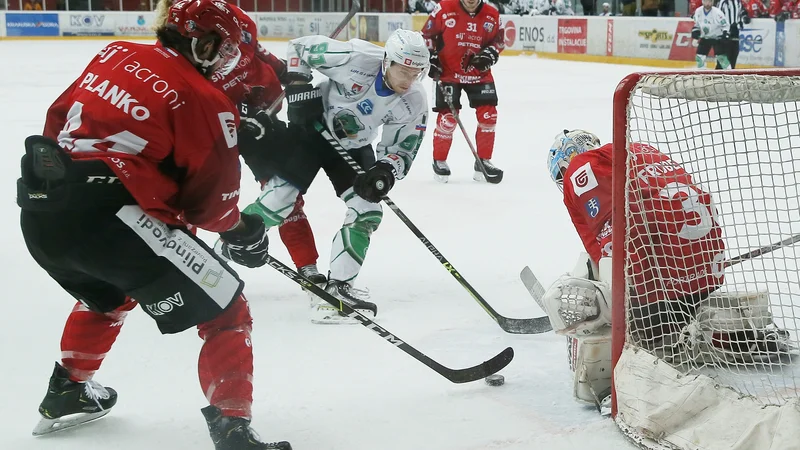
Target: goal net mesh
x: 689, y: 301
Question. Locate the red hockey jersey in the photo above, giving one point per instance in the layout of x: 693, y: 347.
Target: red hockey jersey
x: 254, y: 79
x: 166, y: 131
x: 675, y: 246
x: 456, y: 35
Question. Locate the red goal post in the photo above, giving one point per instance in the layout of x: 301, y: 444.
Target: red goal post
x: 736, y: 133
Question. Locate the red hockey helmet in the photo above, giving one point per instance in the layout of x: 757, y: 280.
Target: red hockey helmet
x: 197, y: 18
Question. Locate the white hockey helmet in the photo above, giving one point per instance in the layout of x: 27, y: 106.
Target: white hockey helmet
x: 568, y: 144
x: 407, y: 48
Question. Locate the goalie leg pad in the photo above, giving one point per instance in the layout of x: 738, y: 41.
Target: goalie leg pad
x: 738, y: 328
x: 590, y: 359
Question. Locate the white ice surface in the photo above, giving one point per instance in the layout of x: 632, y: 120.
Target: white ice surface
x: 341, y: 387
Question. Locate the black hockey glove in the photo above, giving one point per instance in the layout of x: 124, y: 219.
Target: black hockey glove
x: 745, y: 16
x: 696, y: 33
x: 247, y: 247
x: 725, y: 35
x: 484, y: 60
x: 435, y: 71
x: 305, y: 104
x: 258, y: 133
x: 376, y: 182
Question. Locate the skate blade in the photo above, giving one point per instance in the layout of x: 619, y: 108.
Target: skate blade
x: 47, y: 426
x: 478, y: 176
x: 441, y: 178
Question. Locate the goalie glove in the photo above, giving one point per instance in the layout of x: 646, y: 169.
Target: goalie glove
x: 578, y: 306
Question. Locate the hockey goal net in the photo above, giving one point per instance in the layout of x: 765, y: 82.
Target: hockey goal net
x: 714, y: 370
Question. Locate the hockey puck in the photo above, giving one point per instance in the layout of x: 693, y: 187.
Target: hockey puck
x: 495, y: 380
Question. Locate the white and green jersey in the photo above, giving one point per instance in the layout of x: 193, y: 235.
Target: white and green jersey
x: 710, y: 23
x: 357, y: 101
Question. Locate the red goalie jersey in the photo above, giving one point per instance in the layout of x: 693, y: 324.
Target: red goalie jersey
x: 456, y: 35
x: 675, y: 247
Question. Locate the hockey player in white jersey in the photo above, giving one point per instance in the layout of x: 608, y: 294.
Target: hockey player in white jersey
x: 711, y: 29
x: 368, y: 87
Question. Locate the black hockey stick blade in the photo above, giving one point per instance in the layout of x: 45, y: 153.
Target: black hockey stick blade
x: 475, y: 373
x: 355, y: 5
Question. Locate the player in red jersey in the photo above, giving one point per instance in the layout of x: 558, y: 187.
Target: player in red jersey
x: 253, y: 85
x: 465, y: 39
x: 140, y: 146
x: 675, y: 259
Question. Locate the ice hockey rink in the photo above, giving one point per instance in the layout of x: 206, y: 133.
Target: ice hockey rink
x: 341, y: 387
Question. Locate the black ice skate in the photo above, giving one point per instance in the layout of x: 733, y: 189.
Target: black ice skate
x: 441, y: 171
x: 493, y: 174
x: 311, y: 274
x: 234, y: 433
x: 323, y: 312
x: 68, y: 403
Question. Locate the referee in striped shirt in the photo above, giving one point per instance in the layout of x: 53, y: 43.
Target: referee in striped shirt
x: 737, y: 17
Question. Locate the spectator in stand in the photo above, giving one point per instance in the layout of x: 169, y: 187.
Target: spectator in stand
x: 421, y: 6
x: 650, y: 7
x: 588, y: 7
x: 606, y: 10
x: 784, y: 9
x: 28, y: 6
x: 755, y: 8
x: 144, y: 5
x: 37, y: 5
x: 667, y: 8
x: 628, y: 7
x: 693, y: 5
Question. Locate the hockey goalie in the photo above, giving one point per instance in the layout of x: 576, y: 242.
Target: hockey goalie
x: 679, y: 309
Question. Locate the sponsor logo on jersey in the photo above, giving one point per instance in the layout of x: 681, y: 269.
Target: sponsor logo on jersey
x: 165, y: 306
x: 356, y: 87
x: 228, y: 122
x: 488, y: 26
x: 348, y: 123
x: 294, y: 62
x: 593, y: 207
x: 583, y: 179
x: 450, y: 23
x: 421, y: 127
x: 366, y: 107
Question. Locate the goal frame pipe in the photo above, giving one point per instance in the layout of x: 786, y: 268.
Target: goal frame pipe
x: 618, y: 161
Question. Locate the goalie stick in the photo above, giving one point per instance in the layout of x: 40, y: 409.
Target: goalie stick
x: 762, y: 251
x: 509, y: 325
x: 354, y: 7
x: 479, y: 372
x: 449, y: 100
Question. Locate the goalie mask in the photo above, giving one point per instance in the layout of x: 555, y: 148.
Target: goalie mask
x: 568, y: 145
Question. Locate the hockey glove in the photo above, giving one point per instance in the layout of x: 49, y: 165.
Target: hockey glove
x: 258, y: 132
x: 305, y: 104
x: 726, y: 35
x: 696, y: 33
x: 484, y: 60
x: 435, y: 71
x: 745, y: 17
x: 247, y: 247
x: 376, y: 182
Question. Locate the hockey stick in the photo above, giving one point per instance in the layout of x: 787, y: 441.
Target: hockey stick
x: 466, y: 375
x: 509, y: 325
x: 532, y: 284
x: 449, y: 100
x: 354, y: 7
x: 762, y: 251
